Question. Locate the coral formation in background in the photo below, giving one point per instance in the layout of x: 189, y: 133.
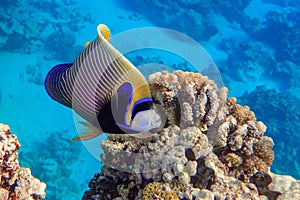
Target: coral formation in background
x: 33, y: 74
x: 283, y: 127
x: 37, y: 26
x: 210, y: 148
x: 16, y: 182
x: 56, y: 158
x: 192, y: 17
x: 259, y: 60
x: 282, y: 29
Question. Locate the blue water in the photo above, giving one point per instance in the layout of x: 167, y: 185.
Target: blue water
x: 255, y: 44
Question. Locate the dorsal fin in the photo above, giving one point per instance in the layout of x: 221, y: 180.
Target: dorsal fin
x: 103, y: 31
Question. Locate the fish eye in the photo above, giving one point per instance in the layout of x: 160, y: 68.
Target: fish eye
x: 146, y: 106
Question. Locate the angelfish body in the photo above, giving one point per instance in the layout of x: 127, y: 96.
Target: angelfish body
x: 104, y: 88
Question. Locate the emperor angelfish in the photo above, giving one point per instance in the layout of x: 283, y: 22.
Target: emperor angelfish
x: 105, y: 89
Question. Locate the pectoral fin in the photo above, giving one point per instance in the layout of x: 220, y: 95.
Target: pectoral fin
x: 91, y: 132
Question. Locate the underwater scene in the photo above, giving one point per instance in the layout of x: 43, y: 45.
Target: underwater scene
x: 182, y: 99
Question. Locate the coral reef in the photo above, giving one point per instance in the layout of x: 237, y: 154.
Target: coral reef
x: 16, y: 182
x: 250, y: 60
x: 182, y: 15
x: 255, y: 62
x: 56, y: 158
x: 37, y: 26
x: 233, y: 12
x: 287, y: 185
x: 210, y: 148
x: 157, y: 190
x: 282, y: 127
x: 286, y: 26
x: 33, y: 74
x: 278, y: 32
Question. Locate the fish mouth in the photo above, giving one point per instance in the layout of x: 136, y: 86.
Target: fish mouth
x: 156, y: 123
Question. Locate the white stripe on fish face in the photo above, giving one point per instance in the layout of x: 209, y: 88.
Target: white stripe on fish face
x: 144, y: 121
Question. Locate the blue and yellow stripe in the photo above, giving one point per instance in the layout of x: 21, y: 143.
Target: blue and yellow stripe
x: 90, y: 82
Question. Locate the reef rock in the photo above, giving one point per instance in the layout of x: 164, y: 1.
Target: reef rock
x: 210, y: 147
x: 16, y: 182
x: 265, y: 102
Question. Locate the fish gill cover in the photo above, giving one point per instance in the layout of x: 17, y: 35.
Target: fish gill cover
x: 253, y: 43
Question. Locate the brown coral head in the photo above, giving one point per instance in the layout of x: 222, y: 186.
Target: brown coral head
x: 262, y: 181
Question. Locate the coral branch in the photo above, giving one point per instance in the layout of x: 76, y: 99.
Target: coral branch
x: 16, y: 182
